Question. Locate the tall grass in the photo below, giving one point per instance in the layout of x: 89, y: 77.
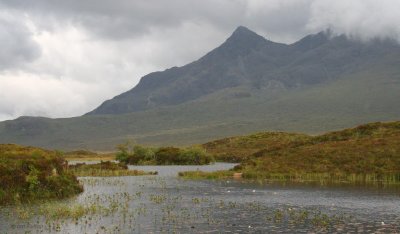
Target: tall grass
x: 105, y: 169
x: 326, y: 178
x: 109, y: 173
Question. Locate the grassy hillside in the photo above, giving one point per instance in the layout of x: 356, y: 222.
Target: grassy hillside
x: 238, y: 149
x: 28, y: 173
x: 367, y: 96
x: 367, y: 149
x: 369, y: 152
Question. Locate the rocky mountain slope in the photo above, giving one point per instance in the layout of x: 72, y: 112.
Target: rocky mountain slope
x: 247, y: 84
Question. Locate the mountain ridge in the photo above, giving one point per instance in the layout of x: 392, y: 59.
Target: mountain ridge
x: 320, y: 83
x: 244, y: 59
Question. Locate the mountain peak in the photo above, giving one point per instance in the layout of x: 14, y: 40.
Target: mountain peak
x: 243, y: 33
x: 241, y: 42
x: 242, y: 29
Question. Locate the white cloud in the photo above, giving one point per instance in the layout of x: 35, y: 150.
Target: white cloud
x: 27, y: 94
x: 361, y: 19
x: 77, y: 71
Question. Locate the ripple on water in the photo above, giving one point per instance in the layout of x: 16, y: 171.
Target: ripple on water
x: 165, y: 203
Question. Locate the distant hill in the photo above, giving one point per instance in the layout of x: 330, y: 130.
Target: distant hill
x: 247, y: 84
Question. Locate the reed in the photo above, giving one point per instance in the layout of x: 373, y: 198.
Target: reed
x: 105, y: 169
x: 109, y: 173
x: 198, y: 175
x: 327, y: 178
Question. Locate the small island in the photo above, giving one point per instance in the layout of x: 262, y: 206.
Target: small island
x: 105, y: 169
x: 140, y: 155
x: 29, y: 173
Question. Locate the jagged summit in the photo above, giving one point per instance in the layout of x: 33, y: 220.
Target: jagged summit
x: 242, y: 32
x: 242, y: 40
x: 246, y: 60
x: 244, y: 85
x: 242, y: 29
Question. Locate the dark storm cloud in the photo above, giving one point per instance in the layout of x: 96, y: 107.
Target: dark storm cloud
x: 17, y: 45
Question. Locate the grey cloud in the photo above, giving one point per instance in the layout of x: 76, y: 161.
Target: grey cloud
x: 95, y: 49
x: 286, y: 20
x: 123, y: 18
x: 17, y: 44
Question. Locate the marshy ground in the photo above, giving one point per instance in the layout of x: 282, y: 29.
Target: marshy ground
x: 166, y: 204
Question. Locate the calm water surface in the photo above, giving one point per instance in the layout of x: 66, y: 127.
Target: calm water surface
x: 167, y: 204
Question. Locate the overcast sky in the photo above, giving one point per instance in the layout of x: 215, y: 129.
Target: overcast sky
x: 62, y: 58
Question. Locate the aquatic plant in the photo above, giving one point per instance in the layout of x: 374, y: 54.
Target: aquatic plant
x: 105, y: 169
x: 205, y: 175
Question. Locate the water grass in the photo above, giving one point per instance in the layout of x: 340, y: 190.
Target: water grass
x: 199, y: 175
x: 161, y: 210
x: 302, y: 178
x: 109, y: 173
x: 105, y: 169
x: 325, y: 178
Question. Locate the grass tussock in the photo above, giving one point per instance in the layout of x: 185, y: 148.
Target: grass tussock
x: 198, y: 175
x: 105, y: 169
x: 56, y: 211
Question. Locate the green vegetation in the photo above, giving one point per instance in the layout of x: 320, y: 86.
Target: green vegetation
x: 87, y: 156
x: 366, y: 154
x: 28, y: 173
x: 193, y: 175
x: 64, y: 211
x: 105, y: 169
x: 140, y: 155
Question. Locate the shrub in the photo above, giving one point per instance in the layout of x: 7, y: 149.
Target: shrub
x: 168, y: 155
x: 28, y: 173
x: 162, y: 156
x: 195, y: 155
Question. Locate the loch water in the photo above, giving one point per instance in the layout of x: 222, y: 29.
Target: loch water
x: 165, y: 203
